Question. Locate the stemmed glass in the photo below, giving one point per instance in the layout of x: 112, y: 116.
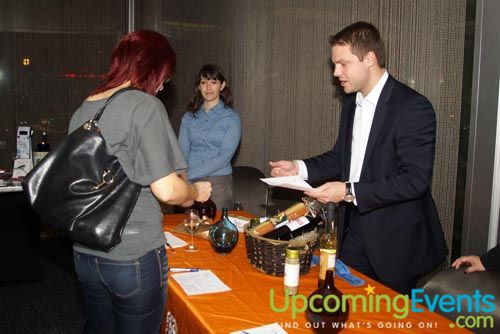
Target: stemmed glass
x: 191, y: 224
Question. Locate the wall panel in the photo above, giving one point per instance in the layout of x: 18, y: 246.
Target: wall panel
x: 277, y: 55
x: 68, y: 44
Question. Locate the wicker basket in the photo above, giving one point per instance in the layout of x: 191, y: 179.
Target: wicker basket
x: 268, y: 255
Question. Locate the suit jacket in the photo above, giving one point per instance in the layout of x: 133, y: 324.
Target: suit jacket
x: 400, y: 226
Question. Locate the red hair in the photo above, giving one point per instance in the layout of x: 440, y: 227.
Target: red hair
x: 144, y: 57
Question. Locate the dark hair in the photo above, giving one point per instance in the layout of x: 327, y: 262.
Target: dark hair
x: 363, y: 37
x: 144, y: 57
x: 210, y: 72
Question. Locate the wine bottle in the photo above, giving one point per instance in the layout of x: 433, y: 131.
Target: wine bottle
x: 319, y: 314
x: 294, y: 228
x: 223, y: 235
x: 297, y: 210
x: 42, y: 148
x: 238, y: 206
x: 328, y: 244
x: 207, y: 211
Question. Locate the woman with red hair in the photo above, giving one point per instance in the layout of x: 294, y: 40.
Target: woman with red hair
x: 125, y: 289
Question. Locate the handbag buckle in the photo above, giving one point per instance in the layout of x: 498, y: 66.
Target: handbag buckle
x: 107, y: 178
x: 89, y: 124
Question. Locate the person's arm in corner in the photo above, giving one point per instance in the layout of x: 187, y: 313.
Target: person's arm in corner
x: 172, y: 189
x: 473, y: 261
x: 491, y: 260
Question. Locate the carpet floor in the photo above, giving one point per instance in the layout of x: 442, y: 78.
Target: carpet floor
x: 52, y: 305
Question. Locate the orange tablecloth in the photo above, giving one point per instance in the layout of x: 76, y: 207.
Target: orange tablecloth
x: 248, y: 303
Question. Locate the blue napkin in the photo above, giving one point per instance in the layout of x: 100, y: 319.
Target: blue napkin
x: 342, y: 271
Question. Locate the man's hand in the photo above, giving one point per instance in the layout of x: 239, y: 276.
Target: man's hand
x: 329, y: 192
x: 204, y: 191
x: 473, y: 261
x: 283, y: 168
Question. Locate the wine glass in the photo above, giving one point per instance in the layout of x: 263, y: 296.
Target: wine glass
x: 191, y: 224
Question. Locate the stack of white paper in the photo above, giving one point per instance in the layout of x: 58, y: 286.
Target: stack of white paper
x: 201, y: 282
x: 239, y: 221
x: 266, y: 329
x: 173, y: 241
x: 290, y: 182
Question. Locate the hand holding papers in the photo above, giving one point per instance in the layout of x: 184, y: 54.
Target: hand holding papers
x: 290, y: 182
x: 201, y: 282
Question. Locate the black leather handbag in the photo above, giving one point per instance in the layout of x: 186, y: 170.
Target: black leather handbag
x: 82, y: 190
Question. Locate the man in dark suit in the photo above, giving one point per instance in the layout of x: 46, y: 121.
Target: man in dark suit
x: 380, y: 168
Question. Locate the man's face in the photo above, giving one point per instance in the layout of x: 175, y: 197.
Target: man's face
x: 352, y: 73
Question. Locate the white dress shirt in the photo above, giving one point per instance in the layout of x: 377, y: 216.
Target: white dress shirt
x: 363, y: 119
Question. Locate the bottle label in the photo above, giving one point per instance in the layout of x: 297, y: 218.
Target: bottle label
x: 281, y: 224
x: 326, y: 261
x: 297, y: 223
x: 292, y: 272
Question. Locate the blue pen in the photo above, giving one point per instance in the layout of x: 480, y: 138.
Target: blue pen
x: 184, y: 270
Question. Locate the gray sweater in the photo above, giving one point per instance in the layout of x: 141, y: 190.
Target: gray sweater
x: 137, y: 131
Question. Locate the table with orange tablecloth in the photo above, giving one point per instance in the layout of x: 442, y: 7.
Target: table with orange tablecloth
x: 248, y: 304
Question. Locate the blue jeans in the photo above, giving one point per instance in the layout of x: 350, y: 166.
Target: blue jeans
x: 126, y: 297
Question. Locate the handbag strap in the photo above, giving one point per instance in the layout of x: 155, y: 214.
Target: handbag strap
x: 98, y: 114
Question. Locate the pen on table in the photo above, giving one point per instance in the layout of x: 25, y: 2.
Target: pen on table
x: 184, y: 270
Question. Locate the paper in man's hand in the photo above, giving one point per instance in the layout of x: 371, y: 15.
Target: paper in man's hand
x: 289, y: 182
